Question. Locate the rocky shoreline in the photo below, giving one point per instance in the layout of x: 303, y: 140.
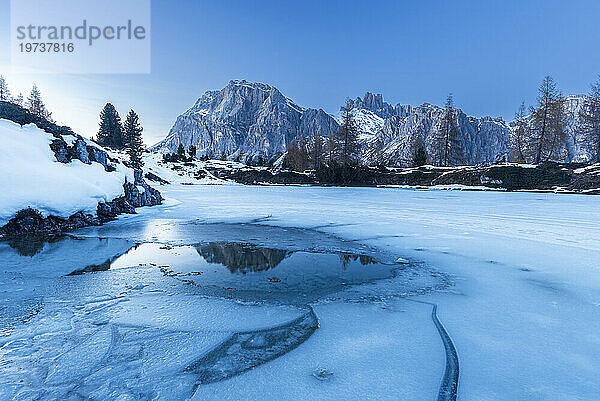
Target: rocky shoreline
x: 30, y: 222
x: 547, y: 177
x: 67, y: 147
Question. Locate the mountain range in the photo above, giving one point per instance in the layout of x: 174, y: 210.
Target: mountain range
x: 251, y: 121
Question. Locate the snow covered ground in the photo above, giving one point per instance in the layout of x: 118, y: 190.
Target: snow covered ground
x: 32, y: 177
x: 522, y: 308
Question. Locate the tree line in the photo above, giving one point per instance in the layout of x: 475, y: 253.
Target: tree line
x: 34, y: 103
x: 538, y: 135
x: 121, y: 136
x: 540, y: 132
x: 112, y: 133
x: 342, y: 147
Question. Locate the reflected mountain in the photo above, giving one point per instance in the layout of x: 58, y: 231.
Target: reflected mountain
x: 364, y: 260
x: 31, y: 245
x: 104, y: 266
x: 242, y: 257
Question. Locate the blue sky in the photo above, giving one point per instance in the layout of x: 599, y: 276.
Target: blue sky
x: 490, y: 54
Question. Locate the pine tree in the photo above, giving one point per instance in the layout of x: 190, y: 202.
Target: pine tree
x: 192, y: 151
x: 331, y: 148
x: 181, y: 151
x: 316, y: 151
x: 36, y: 106
x: 223, y: 156
x: 590, y: 120
x: 19, y: 100
x: 347, y: 137
x: 134, y: 143
x: 420, y: 156
x: 548, y: 122
x: 450, y: 152
x: 521, y: 136
x: 110, y: 133
x: 4, y: 91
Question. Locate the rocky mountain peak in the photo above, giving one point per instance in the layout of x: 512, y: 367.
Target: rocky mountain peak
x: 375, y: 104
x: 249, y: 121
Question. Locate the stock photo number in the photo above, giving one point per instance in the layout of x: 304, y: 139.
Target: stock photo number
x: 46, y: 47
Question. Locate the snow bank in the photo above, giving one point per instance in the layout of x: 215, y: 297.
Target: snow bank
x: 186, y: 172
x: 32, y: 177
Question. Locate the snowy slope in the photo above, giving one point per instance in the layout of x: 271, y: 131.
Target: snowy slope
x: 32, y: 177
x: 187, y: 173
x: 368, y: 122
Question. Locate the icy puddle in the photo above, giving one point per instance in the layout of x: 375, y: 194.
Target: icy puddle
x: 105, y: 318
x: 248, y: 271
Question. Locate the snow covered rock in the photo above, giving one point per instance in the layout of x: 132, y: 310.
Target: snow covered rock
x: 62, y: 182
x: 139, y: 193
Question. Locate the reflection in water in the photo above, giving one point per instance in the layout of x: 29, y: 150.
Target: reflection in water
x: 31, y: 245
x: 242, y: 257
x: 92, y: 268
x: 248, y: 271
x: 364, y: 260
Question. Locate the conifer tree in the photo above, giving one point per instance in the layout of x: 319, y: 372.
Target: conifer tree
x: 347, y: 137
x: 450, y: 152
x: 303, y: 155
x: 292, y: 155
x: 4, y: 91
x: 548, y: 122
x: 192, y: 151
x: 19, y: 100
x: 590, y: 120
x: 132, y: 133
x: 420, y: 156
x: 521, y: 136
x: 110, y: 133
x: 36, y: 106
x: 317, y: 151
x: 331, y: 148
x: 181, y: 151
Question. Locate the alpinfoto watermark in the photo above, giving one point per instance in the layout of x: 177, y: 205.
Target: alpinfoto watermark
x: 80, y: 36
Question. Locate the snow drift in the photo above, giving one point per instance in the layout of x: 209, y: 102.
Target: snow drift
x: 33, y: 177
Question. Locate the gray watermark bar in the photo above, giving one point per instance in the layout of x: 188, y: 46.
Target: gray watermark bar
x: 80, y: 36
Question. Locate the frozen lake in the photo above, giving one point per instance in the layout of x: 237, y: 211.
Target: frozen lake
x: 234, y: 292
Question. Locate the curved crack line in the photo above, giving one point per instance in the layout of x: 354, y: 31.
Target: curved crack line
x: 449, y: 386
x: 245, y: 350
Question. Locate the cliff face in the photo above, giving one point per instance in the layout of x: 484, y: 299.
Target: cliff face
x: 483, y: 140
x: 246, y: 120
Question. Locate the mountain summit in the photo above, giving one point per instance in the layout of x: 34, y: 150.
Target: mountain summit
x: 248, y: 120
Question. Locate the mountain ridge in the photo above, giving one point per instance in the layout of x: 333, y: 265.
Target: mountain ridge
x: 252, y: 121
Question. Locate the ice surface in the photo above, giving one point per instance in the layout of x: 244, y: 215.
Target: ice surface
x: 522, y: 308
x: 114, y: 333
x: 249, y: 272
